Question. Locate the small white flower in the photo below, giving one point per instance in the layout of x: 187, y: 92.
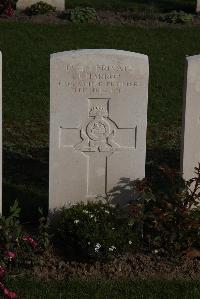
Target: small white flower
x: 130, y: 242
x: 107, y: 212
x: 156, y: 251
x: 112, y: 206
x: 97, y: 247
x: 76, y: 221
x: 91, y: 216
x: 113, y: 228
x: 112, y: 248
x: 85, y: 211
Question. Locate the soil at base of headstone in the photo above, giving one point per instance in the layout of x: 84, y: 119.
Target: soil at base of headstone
x: 128, y: 266
x: 105, y: 17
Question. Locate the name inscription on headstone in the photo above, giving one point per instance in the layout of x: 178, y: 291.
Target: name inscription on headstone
x: 99, y: 79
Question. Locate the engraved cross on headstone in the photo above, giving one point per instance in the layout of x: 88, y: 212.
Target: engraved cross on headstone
x: 97, y: 139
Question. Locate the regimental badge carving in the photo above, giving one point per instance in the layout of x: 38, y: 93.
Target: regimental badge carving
x: 98, y: 132
x: 97, y: 138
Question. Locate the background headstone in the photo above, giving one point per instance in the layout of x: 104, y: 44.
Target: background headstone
x: 198, y: 5
x: 190, y: 152
x: 0, y: 133
x: 59, y: 4
x: 98, y: 122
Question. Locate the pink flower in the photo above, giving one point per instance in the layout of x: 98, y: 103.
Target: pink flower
x: 1, y: 286
x: 31, y: 241
x: 9, y: 254
x: 7, y: 292
x: 9, y: 9
x: 2, y: 272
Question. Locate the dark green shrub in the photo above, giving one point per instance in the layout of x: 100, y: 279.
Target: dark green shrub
x: 80, y: 15
x: 93, y: 231
x: 41, y: 8
x: 175, y: 17
x: 168, y: 211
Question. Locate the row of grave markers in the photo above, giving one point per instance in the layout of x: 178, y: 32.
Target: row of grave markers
x: 98, y: 122
x: 60, y: 4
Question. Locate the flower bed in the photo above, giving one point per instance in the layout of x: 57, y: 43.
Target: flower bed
x: 18, y: 250
x: 155, y: 235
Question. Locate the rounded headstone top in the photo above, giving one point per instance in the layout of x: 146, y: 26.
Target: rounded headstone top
x: 193, y: 58
x: 99, y: 52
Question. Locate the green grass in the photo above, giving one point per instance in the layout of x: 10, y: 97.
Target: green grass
x: 136, y: 5
x: 146, y: 289
x: 26, y: 53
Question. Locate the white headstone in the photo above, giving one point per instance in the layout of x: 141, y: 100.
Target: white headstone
x: 59, y: 4
x: 98, y: 122
x: 190, y: 152
x: 0, y: 133
x: 198, y: 5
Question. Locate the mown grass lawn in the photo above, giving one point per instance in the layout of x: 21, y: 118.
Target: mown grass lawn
x: 136, y: 5
x: 145, y: 289
x: 26, y: 53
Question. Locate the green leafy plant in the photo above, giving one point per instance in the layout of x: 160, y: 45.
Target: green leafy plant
x: 80, y: 15
x: 43, y: 234
x: 10, y: 228
x: 41, y: 8
x: 175, y: 17
x: 93, y: 231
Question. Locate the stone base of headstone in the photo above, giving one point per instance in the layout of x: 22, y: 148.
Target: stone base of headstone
x: 59, y: 4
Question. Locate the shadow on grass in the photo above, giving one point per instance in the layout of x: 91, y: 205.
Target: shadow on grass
x: 154, y: 6
x: 126, y: 190
x: 169, y: 5
x: 25, y: 180
x: 29, y: 202
x: 162, y: 156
